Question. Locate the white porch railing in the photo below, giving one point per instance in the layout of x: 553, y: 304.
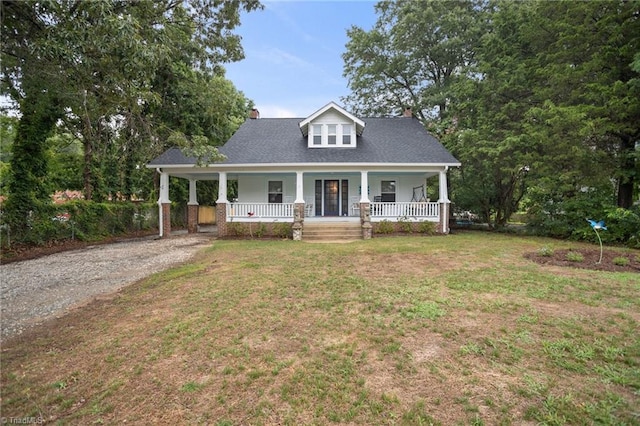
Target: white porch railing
x: 379, y: 210
x: 259, y: 211
x: 405, y: 211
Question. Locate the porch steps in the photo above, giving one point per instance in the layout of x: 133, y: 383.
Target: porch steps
x: 331, y: 231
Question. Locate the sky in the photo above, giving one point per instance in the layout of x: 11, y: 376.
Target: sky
x: 293, y: 54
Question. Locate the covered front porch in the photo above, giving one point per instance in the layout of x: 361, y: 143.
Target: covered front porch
x: 279, y: 197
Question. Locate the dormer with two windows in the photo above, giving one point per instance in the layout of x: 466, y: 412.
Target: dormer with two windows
x: 332, y: 127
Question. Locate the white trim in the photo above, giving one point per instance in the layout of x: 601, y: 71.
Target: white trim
x: 304, y: 124
x: 242, y: 167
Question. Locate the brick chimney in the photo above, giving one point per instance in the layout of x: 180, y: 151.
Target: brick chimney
x: 254, y: 113
x: 407, y: 112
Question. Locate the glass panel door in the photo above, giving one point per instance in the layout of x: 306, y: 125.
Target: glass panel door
x: 331, y: 197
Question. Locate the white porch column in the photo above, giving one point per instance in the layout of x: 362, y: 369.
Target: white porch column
x: 222, y: 188
x: 193, y: 197
x: 164, y: 188
x: 444, y: 201
x: 364, y: 187
x: 443, y: 191
x: 299, y: 188
x: 164, y: 206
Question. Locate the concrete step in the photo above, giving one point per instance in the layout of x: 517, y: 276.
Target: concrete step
x: 343, y: 231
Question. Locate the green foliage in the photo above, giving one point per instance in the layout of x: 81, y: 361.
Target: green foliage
x: 122, y: 76
x: 385, y: 227
x: 544, y: 105
x: 410, y: 70
x: 261, y: 230
x: 623, y: 226
x: 80, y: 219
x: 426, y: 227
x: 621, y: 261
x: 283, y: 230
x: 574, y: 256
x: 405, y: 225
x: 546, y: 251
x: 237, y: 229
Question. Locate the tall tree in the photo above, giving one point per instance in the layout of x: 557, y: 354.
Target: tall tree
x: 96, y: 62
x: 411, y: 56
x: 587, y: 66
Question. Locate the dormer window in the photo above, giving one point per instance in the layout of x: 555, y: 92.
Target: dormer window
x: 346, y: 134
x: 317, y: 134
x: 327, y: 135
x: 331, y: 134
x: 332, y: 127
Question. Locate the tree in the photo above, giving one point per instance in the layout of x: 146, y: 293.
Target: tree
x: 543, y: 99
x: 92, y: 64
x: 411, y: 57
x: 588, y: 68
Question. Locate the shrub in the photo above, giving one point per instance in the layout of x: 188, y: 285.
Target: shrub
x: 621, y: 261
x: 236, y: 229
x: 81, y: 219
x: 545, y: 251
x: 405, y: 225
x: 426, y: 227
x: 385, y: 227
x: 262, y: 229
x: 574, y: 256
x: 282, y: 230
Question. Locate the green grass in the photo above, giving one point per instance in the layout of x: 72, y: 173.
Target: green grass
x: 418, y: 330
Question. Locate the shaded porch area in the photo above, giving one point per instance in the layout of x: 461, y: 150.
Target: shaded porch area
x: 271, y: 202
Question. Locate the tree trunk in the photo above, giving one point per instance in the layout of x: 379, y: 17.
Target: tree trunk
x: 86, y: 173
x: 29, y: 166
x: 626, y: 181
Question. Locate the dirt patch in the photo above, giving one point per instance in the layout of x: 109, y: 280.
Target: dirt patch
x: 612, y: 260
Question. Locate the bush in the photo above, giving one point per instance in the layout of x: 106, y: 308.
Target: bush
x: 237, y: 229
x: 566, y: 218
x: 282, y: 230
x: 574, y: 256
x: 621, y: 261
x: 385, y: 227
x: 545, y: 251
x: 427, y: 228
x: 405, y: 225
x: 262, y: 229
x: 84, y: 220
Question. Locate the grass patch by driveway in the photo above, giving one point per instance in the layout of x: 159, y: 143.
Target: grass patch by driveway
x: 419, y: 330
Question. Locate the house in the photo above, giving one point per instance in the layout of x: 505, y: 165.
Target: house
x: 330, y: 166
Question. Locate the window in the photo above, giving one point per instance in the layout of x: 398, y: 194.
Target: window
x: 331, y: 132
x: 275, y: 191
x: 346, y: 134
x: 317, y: 134
x: 388, y: 191
x: 331, y: 135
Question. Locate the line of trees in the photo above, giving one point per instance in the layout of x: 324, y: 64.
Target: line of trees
x: 104, y: 86
x: 539, y: 100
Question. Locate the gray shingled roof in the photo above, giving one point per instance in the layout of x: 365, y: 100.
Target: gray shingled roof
x: 279, y: 140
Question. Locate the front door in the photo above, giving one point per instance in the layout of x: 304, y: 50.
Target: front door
x: 331, y: 197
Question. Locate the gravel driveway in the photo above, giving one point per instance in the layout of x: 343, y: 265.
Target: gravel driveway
x: 33, y: 291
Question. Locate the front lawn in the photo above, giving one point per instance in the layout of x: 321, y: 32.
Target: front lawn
x: 461, y: 329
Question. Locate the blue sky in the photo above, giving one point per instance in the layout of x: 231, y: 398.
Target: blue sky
x: 293, y: 54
